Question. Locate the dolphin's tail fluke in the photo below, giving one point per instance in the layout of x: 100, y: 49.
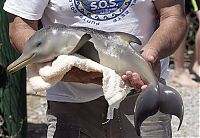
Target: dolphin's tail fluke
x: 154, y: 98
x: 147, y: 104
x: 171, y: 102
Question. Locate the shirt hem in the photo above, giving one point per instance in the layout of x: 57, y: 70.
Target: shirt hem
x: 70, y: 100
x: 22, y: 14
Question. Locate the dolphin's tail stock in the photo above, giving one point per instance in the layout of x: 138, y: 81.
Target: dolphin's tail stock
x: 160, y: 98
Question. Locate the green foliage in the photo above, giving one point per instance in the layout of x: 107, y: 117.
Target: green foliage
x: 12, y: 87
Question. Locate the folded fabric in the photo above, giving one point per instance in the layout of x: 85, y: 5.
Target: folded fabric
x: 44, y: 76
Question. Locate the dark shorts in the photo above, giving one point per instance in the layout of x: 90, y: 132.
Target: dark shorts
x: 84, y: 120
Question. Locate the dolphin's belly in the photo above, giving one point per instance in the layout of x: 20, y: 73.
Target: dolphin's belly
x: 128, y: 61
x: 116, y: 63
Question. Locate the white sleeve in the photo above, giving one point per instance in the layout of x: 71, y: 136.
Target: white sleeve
x: 27, y: 9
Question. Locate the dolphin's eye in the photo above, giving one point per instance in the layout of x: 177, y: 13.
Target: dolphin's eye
x: 38, y: 44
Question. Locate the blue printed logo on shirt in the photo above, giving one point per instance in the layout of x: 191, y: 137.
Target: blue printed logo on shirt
x: 102, y: 10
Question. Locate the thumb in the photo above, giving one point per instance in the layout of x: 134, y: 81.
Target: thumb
x: 150, y: 58
x: 150, y: 54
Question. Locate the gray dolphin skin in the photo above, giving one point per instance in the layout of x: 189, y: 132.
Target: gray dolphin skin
x: 112, y: 49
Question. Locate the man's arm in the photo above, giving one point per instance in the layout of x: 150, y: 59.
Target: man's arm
x: 165, y: 40
x: 20, y: 30
x: 171, y: 30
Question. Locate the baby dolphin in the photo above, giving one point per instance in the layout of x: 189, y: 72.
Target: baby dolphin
x: 111, y: 49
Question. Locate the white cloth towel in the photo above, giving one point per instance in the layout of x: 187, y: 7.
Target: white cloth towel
x: 44, y: 76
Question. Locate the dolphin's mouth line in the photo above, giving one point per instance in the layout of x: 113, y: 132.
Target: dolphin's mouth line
x: 15, y: 66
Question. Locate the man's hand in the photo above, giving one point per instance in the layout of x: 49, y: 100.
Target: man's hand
x: 164, y: 41
x: 133, y: 79
x: 80, y: 76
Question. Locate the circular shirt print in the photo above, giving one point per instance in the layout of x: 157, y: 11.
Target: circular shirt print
x: 102, y: 10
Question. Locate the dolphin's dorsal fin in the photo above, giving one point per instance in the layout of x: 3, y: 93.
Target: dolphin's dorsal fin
x: 85, y: 38
x: 128, y: 37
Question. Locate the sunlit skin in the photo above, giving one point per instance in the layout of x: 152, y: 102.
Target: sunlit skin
x: 180, y: 73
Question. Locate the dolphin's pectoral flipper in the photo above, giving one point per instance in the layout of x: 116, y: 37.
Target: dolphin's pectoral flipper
x: 85, y: 38
x: 88, y: 50
x: 128, y: 37
x: 147, y: 104
x: 171, y: 102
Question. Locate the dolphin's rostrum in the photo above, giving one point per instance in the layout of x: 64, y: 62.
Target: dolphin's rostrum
x: 112, y: 49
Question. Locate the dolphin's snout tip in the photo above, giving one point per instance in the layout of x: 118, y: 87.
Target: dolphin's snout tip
x: 12, y: 69
x: 20, y: 63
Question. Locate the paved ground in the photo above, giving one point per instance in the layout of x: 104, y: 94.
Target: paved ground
x: 36, y: 106
x: 191, y: 122
x: 189, y: 129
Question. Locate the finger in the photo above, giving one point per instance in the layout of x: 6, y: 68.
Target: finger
x: 133, y: 80
x: 136, y: 81
x: 150, y: 54
x: 129, y: 78
x: 150, y: 59
x: 143, y: 87
x: 125, y: 79
x: 129, y: 75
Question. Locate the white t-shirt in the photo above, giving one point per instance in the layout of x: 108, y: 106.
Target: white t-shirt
x: 137, y: 17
